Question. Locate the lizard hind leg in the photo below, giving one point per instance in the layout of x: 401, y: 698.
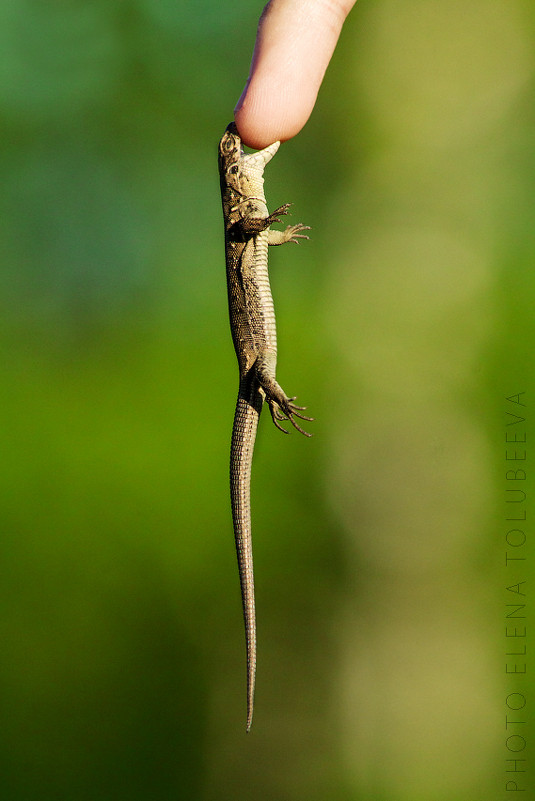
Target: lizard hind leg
x: 280, y: 405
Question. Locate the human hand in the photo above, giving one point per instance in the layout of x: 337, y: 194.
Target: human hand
x: 294, y: 44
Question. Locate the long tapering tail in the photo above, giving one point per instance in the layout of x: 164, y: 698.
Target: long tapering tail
x: 246, y: 418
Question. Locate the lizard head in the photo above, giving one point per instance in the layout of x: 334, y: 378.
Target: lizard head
x: 235, y: 165
x: 230, y: 154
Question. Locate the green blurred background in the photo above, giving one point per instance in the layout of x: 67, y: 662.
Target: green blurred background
x: 404, y: 323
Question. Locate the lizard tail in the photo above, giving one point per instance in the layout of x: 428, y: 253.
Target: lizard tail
x: 241, y: 457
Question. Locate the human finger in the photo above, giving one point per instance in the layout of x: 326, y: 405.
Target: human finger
x: 294, y: 44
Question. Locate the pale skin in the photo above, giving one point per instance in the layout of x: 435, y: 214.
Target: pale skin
x: 294, y: 44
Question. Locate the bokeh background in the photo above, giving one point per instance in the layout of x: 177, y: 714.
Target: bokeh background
x: 404, y: 323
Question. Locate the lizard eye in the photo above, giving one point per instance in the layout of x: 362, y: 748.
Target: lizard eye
x: 234, y: 169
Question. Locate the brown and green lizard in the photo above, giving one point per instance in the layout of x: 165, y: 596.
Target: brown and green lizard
x: 252, y: 322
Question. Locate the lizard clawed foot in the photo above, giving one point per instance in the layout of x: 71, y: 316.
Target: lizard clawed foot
x: 282, y: 210
x: 289, y: 411
x: 292, y: 233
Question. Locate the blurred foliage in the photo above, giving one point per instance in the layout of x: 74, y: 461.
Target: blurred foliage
x: 404, y: 323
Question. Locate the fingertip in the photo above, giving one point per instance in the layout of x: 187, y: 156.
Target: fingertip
x: 264, y: 115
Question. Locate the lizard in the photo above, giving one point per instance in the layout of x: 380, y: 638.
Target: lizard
x: 252, y: 322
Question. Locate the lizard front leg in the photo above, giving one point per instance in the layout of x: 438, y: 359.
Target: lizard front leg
x: 280, y: 405
x: 290, y: 234
x: 250, y: 225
